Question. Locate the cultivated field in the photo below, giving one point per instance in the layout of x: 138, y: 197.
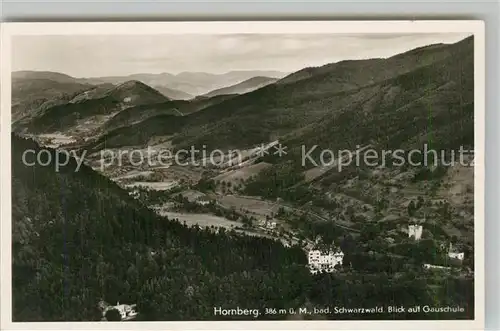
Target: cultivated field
x: 200, y: 219
x: 255, y: 206
x: 242, y: 174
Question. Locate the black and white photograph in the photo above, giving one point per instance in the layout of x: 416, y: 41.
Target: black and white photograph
x: 243, y: 171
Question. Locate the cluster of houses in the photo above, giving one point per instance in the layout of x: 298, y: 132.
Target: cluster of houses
x: 325, y: 261
x: 415, y: 231
x: 267, y: 224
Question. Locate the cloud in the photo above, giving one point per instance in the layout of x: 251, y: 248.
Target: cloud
x: 86, y: 56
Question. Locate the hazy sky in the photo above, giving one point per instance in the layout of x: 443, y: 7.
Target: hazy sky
x: 90, y: 56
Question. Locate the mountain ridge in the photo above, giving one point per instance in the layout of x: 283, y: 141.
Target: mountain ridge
x: 245, y: 86
x: 87, y: 107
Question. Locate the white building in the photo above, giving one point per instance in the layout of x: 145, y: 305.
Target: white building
x: 127, y: 312
x: 203, y: 201
x: 415, y: 231
x: 324, y: 261
x: 271, y: 225
x: 453, y: 254
x: 267, y: 224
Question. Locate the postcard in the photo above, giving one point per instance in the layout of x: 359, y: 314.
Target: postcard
x: 243, y: 175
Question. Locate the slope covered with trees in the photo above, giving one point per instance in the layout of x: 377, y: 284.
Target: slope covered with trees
x: 28, y: 95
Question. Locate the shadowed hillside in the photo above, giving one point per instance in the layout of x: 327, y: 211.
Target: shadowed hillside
x: 173, y: 94
x: 30, y: 94
x: 84, y: 108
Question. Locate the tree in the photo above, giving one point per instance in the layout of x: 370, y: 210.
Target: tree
x: 420, y: 202
x: 411, y: 208
x: 113, y: 315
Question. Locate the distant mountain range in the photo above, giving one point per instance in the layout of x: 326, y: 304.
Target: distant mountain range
x: 246, y: 86
x: 192, y: 83
x: 377, y: 101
